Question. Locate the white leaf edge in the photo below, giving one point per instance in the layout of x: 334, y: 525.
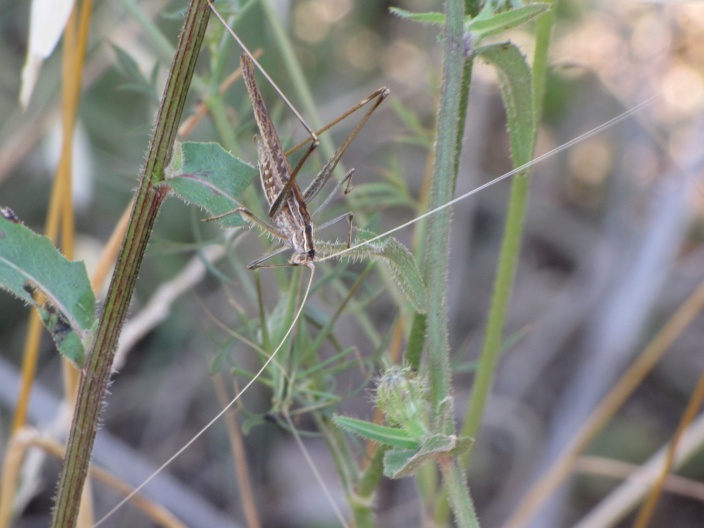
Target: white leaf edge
x: 46, y: 24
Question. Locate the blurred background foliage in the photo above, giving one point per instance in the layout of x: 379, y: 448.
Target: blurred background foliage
x: 612, y: 244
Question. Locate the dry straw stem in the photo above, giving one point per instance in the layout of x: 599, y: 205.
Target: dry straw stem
x: 620, y: 470
x: 249, y: 505
x: 60, y: 214
x: 27, y: 438
x: 695, y: 402
x: 60, y: 206
x: 617, y: 505
x: 109, y: 254
x: 630, y: 380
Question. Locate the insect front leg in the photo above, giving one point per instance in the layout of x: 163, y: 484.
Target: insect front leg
x: 346, y: 180
x: 257, y: 264
x: 252, y: 219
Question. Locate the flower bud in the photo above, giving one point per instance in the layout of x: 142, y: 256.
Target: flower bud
x: 402, y: 396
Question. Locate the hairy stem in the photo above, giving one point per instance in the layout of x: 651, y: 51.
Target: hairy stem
x: 442, y: 191
x: 95, y: 377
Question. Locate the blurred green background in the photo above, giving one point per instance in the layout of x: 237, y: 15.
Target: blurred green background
x: 612, y: 245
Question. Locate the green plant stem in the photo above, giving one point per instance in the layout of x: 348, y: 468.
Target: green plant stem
x: 503, y: 284
x: 441, y: 191
x: 373, y: 472
x: 543, y: 32
x: 452, y: 106
x: 510, y: 247
x: 96, y: 375
x: 346, y: 468
x: 363, y: 501
x: 455, y: 483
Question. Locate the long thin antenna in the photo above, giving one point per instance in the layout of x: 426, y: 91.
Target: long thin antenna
x: 217, y: 416
x: 593, y: 132
x: 263, y: 72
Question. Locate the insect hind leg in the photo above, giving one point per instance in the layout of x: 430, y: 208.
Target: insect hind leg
x: 325, y: 173
x: 350, y: 216
x: 346, y: 180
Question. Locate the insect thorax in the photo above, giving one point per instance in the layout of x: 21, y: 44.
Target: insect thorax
x: 303, y: 246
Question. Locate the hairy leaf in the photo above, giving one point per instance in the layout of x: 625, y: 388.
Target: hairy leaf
x: 394, y: 255
x: 516, y: 85
x: 399, y: 463
x: 383, y: 434
x: 492, y: 24
x: 204, y: 174
x: 426, y: 18
x: 487, y: 23
x: 29, y: 265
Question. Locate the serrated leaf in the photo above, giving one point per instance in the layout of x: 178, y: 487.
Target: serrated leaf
x: 383, y: 434
x: 394, y: 255
x: 29, y: 264
x: 516, y: 85
x: 405, y: 463
x: 493, y: 24
x: 206, y: 175
x: 425, y: 18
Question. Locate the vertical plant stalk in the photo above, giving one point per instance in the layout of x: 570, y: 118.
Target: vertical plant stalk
x: 454, y: 480
x: 452, y: 106
x: 510, y: 247
x: 96, y: 373
x: 442, y: 189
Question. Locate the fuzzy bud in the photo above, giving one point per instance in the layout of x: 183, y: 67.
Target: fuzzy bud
x: 402, y: 396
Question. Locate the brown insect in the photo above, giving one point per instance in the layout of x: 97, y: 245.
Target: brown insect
x: 288, y: 210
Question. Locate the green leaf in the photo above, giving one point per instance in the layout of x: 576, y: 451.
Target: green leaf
x: 394, y: 255
x: 516, y: 85
x: 383, y: 434
x: 487, y: 25
x: 424, y: 18
x: 204, y: 174
x: 405, y: 463
x: 128, y: 64
x: 138, y: 81
x: 395, y: 460
x: 29, y: 265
